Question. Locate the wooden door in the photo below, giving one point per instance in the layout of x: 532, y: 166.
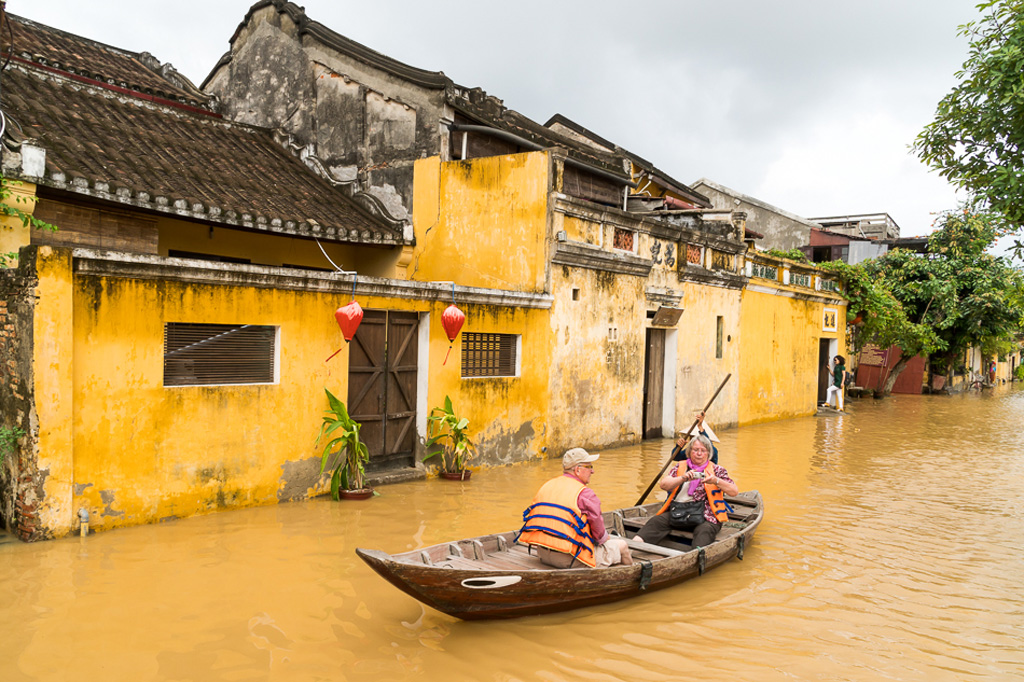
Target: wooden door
x: 382, y: 386
x: 654, y: 383
x: 400, y: 392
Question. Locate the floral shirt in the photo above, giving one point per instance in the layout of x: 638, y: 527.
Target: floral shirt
x: 700, y: 495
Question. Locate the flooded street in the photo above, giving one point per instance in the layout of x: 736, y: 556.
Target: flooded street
x: 891, y: 549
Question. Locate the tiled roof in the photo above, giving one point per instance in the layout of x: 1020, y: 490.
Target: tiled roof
x: 53, y: 48
x: 108, y: 142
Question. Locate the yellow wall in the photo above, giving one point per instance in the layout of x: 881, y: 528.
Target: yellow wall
x: 508, y: 417
x: 115, y: 441
x: 488, y: 215
x: 54, y: 399
x: 779, y: 346
x: 13, y: 234
x: 700, y: 372
x: 597, y: 389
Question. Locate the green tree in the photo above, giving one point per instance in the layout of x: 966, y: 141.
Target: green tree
x: 975, y: 139
x: 969, y: 296
x: 940, y: 303
x: 886, y: 321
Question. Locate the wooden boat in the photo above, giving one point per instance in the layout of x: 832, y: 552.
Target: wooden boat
x: 492, y: 576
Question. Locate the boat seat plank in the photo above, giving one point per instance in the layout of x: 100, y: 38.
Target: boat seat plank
x: 521, y: 560
x: 652, y: 549
x: 503, y: 561
x: 459, y: 562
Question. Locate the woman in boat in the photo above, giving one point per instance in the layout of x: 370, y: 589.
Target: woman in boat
x: 698, y: 479
x: 701, y: 429
x: 564, y: 521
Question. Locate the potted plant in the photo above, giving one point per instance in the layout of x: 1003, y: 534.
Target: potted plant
x: 448, y: 438
x: 348, y: 478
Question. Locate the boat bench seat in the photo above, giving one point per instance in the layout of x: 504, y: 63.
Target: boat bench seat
x: 652, y: 549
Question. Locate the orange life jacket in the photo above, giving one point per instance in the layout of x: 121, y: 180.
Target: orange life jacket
x: 554, y: 520
x: 716, y: 498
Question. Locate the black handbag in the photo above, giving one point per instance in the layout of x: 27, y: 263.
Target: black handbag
x: 685, y: 515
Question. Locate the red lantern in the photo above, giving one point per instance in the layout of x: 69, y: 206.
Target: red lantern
x: 452, y: 320
x: 348, y: 318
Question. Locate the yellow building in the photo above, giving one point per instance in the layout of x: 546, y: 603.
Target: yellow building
x: 792, y: 323
x: 168, y: 348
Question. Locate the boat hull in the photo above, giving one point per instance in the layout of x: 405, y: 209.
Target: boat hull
x: 467, y: 586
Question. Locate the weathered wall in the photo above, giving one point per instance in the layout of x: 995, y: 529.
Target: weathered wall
x: 598, y: 356
x: 365, y: 123
x: 19, y: 475
x: 700, y: 372
x: 509, y: 416
x: 110, y: 438
x: 780, y: 329
x: 488, y: 215
x: 781, y: 230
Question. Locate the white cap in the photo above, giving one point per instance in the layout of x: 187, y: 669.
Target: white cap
x: 707, y: 432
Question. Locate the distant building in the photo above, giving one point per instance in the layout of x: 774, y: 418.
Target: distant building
x: 781, y: 229
x: 875, y: 226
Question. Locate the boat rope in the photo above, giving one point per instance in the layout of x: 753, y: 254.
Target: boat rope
x: 739, y: 548
x: 702, y: 561
x: 646, y: 571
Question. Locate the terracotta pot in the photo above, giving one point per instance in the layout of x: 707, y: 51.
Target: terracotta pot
x: 856, y: 320
x: 456, y: 475
x: 361, y: 494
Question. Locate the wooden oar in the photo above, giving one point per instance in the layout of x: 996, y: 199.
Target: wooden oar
x: 692, y: 427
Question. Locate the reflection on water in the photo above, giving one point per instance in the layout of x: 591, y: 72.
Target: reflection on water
x: 890, y: 550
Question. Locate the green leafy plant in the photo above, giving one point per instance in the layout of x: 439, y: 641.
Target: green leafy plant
x: 10, y: 209
x: 974, y: 140
x: 448, y: 438
x: 1018, y: 373
x: 792, y: 254
x: 9, y: 440
x: 341, y: 433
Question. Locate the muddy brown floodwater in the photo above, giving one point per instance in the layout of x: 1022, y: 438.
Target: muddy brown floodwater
x: 891, y: 550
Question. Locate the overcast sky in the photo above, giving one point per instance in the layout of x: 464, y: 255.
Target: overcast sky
x: 807, y: 105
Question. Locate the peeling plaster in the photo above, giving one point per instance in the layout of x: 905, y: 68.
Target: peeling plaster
x: 298, y: 478
x: 108, y: 499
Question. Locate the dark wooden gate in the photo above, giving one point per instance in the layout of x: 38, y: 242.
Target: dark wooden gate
x: 382, y: 386
x: 654, y: 383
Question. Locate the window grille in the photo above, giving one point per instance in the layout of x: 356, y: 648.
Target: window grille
x: 765, y: 271
x: 801, y: 280
x: 489, y: 355
x: 693, y: 254
x: 830, y: 285
x: 721, y: 261
x: 218, y: 354
x: 623, y: 239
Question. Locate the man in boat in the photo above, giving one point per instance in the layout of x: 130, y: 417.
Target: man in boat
x: 564, y: 521
x: 695, y: 479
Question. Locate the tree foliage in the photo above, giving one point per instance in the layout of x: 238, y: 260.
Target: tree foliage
x: 968, y: 296
x: 939, y: 303
x: 975, y: 139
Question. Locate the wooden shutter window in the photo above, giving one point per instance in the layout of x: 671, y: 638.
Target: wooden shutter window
x: 488, y: 355
x: 218, y: 354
